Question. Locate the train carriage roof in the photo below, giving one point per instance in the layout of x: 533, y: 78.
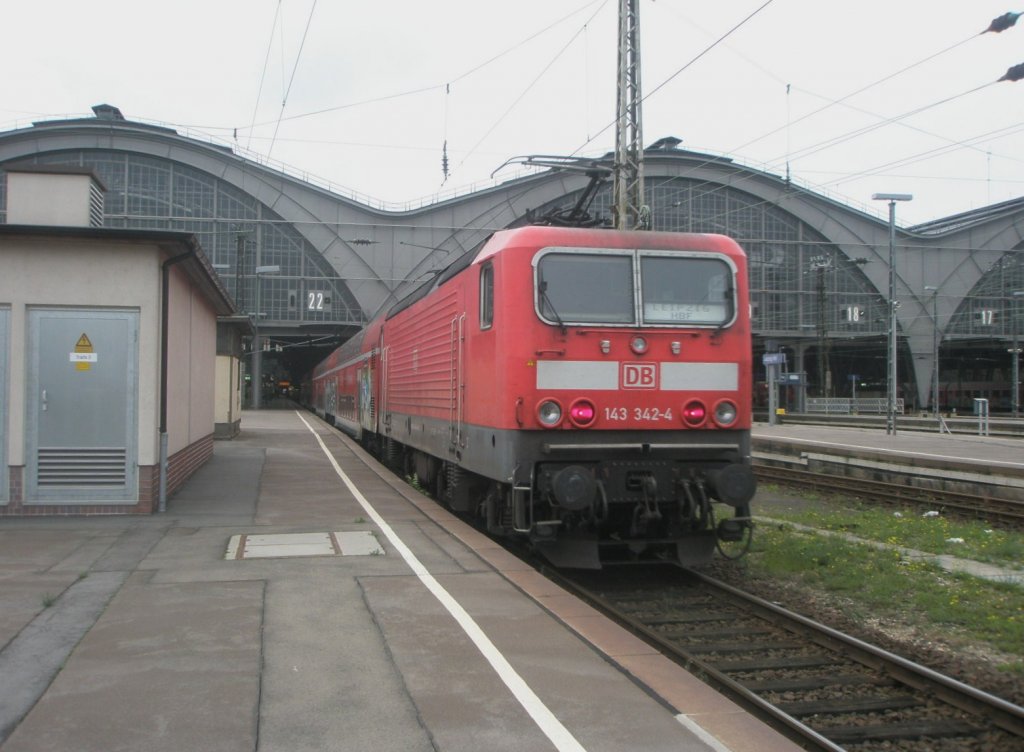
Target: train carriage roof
x: 462, y: 262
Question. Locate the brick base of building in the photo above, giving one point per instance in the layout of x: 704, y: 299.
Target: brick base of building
x: 180, y: 467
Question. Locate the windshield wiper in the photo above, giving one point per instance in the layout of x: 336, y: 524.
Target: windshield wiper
x: 546, y: 303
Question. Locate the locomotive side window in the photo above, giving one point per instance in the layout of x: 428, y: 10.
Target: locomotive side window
x: 586, y: 288
x: 686, y: 290
x: 487, y: 296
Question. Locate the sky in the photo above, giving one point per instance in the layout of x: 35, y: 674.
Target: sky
x: 849, y: 99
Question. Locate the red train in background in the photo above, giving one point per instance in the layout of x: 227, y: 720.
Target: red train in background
x: 588, y: 389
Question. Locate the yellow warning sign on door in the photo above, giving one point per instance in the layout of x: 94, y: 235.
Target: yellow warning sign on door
x: 84, y: 356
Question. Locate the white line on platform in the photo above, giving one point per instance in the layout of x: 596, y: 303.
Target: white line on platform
x: 698, y: 731
x: 539, y: 712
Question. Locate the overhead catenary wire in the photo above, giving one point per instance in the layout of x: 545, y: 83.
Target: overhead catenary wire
x: 263, y: 74
x: 775, y: 163
x: 291, y: 80
x: 693, y: 60
x: 431, y: 87
x: 846, y: 137
x: 529, y: 87
x: 588, y: 5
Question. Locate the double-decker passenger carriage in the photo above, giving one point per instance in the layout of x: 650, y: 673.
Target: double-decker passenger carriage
x: 588, y: 389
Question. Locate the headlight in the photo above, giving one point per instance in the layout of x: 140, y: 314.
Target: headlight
x: 638, y: 345
x: 549, y: 413
x: 725, y: 413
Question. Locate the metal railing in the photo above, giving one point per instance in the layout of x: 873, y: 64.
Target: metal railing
x: 848, y: 406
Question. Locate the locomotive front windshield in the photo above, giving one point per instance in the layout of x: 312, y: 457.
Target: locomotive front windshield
x: 635, y: 288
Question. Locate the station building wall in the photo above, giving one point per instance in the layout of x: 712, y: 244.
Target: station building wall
x: 82, y: 279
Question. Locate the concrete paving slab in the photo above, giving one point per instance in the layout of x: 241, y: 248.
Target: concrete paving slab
x: 88, y: 551
x: 33, y: 549
x: 29, y: 662
x: 457, y: 691
x: 328, y: 680
x: 167, y: 667
x: 24, y: 598
x: 131, y: 546
x: 361, y: 543
x: 235, y: 468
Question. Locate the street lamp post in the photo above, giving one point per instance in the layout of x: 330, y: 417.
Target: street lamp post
x: 257, y: 344
x: 1015, y: 354
x: 890, y: 401
x: 935, y: 348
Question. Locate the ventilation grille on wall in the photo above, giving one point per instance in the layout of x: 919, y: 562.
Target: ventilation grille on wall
x: 72, y: 467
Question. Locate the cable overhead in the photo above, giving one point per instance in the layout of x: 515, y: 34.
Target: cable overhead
x: 997, y: 25
x: 861, y: 90
x: 528, y: 88
x: 291, y: 80
x: 433, y: 87
x: 693, y: 60
x: 530, y: 38
x: 263, y: 75
x: 822, y: 145
x: 1015, y: 71
x: 921, y: 156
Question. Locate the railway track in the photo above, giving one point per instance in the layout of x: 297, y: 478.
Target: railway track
x: 823, y: 689
x: 1005, y: 511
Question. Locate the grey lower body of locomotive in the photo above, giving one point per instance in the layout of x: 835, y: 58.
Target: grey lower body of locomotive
x: 583, y: 497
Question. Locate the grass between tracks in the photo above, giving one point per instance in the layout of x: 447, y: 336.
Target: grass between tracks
x: 881, y: 583
x: 911, y: 528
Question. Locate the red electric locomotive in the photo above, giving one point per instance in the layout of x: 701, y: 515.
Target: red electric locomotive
x: 587, y: 388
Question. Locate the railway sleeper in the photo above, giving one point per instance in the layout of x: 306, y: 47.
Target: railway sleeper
x: 848, y: 705
x: 816, y: 682
x: 739, y: 647
x: 771, y: 664
x: 897, y: 731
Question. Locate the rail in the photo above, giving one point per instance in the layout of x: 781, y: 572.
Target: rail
x: 747, y: 647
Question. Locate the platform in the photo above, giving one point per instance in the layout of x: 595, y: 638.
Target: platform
x: 989, y: 467
x: 1005, y: 453
x: 295, y: 596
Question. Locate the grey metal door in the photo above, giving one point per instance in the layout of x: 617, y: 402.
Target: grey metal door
x: 5, y: 485
x: 81, y: 406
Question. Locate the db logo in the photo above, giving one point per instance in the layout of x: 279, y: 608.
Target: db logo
x: 639, y: 375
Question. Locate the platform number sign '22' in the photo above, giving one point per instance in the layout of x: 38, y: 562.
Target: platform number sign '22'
x: 639, y: 376
x: 314, y: 301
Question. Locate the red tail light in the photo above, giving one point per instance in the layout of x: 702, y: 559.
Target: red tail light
x: 582, y: 413
x: 694, y: 413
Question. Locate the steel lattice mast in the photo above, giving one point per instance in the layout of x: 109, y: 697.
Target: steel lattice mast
x: 630, y: 210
